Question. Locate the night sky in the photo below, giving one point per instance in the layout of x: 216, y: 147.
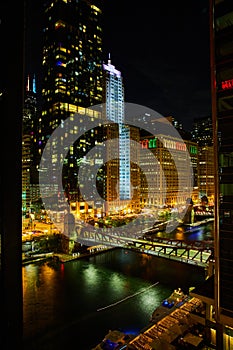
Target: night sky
x: 161, y: 49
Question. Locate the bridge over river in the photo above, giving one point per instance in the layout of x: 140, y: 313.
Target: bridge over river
x: 192, y: 252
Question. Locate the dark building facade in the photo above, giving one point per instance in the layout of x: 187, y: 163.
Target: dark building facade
x: 217, y: 290
x: 223, y: 64
x: 221, y: 46
x: 202, y: 134
x: 202, y: 131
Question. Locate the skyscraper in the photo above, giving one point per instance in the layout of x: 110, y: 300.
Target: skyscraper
x: 30, y: 148
x: 121, y: 185
x: 72, y: 59
x: 114, y: 111
x: 72, y: 75
x: 206, y: 172
x: 202, y: 133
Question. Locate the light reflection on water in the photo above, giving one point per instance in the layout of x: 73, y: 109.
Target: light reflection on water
x: 61, y: 301
x: 200, y: 233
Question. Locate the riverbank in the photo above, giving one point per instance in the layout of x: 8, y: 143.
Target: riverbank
x: 61, y: 257
x: 68, y: 257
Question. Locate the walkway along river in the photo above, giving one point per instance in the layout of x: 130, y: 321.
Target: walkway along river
x: 61, y: 300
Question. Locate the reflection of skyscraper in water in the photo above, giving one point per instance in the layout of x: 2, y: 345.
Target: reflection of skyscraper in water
x: 118, y: 180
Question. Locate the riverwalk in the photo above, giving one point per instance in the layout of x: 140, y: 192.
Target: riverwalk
x: 62, y: 257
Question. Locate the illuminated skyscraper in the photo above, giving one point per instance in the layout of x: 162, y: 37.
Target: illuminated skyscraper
x: 72, y: 59
x: 72, y: 70
x: 118, y: 171
x: 30, y: 155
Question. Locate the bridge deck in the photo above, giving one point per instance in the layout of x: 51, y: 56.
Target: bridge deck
x: 192, y: 252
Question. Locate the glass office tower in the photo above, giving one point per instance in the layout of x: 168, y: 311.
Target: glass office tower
x: 72, y: 77
x: 30, y: 155
x: 114, y: 105
x: 72, y: 58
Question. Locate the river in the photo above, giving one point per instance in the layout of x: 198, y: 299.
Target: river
x: 198, y: 233
x: 76, y: 303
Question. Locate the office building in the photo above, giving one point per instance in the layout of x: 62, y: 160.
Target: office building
x: 72, y: 80
x: 121, y: 174
x: 202, y: 131
x: 206, y: 172
x: 118, y: 170
x: 202, y: 134
x: 30, y: 154
x: 167, y: 181
x: 72, y: 59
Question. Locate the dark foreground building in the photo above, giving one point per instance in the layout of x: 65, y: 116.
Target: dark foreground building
x: 217, y: 292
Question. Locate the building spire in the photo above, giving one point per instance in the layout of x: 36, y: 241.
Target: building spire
x: 109, y: 58
x: 28, y: 84
x: 34, y: 84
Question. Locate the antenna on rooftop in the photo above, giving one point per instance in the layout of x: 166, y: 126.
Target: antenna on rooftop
x: 109, y: 58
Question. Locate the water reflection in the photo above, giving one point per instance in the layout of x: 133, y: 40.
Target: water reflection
x: 60, y: 302
x: 200, y: 233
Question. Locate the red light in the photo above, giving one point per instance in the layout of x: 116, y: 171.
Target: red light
x: 227, y: 84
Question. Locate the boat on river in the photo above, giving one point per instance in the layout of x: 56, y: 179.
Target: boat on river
x: 176, y: 299
x: 117, y: 340
x: 114, y: 340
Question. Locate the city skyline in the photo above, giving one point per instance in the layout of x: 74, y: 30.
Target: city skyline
x: 218, y: 314
x: 70, y: 53
x: 163, y: 54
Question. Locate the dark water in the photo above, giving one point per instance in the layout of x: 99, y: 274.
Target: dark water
x: 61, y: 301
x: 200, y: 233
